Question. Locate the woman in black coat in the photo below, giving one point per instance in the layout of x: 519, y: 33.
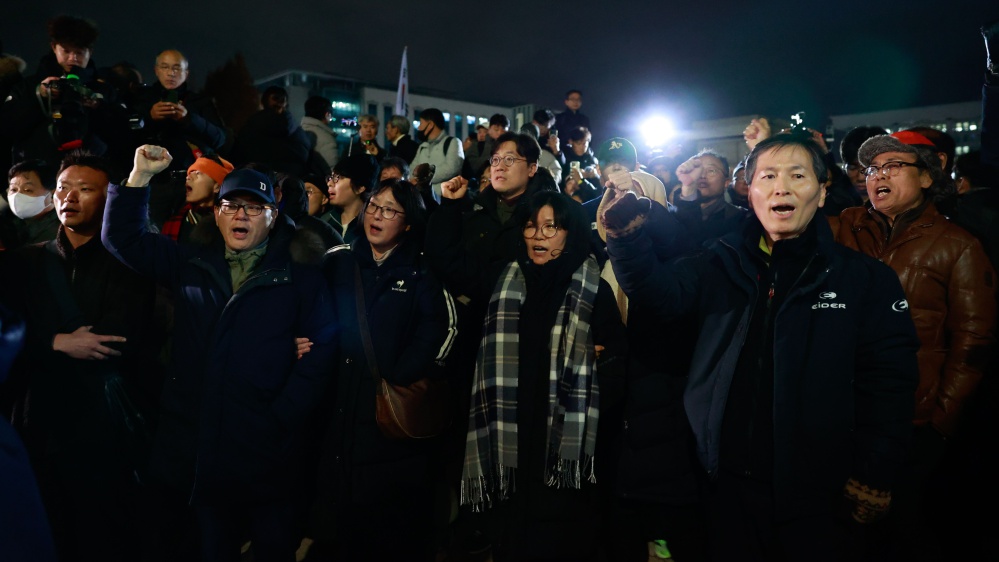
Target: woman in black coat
x: 549, y: 368
x: 375, y: 493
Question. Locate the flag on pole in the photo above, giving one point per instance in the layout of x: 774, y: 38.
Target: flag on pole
x: 402, y: 96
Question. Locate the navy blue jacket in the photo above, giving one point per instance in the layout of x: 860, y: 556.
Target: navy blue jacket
x: 237, y: 401
x: 413, y: 329
x: 844, y: 356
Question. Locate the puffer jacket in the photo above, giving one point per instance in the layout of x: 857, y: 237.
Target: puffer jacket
x: 950, y: 286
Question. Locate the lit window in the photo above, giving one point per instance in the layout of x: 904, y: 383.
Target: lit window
x: 416, y: 123
x: 471, y: 119
x: 447, y: 117
x: 973, y: 127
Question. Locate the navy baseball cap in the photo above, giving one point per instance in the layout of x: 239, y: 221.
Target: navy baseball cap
x: 247, y: 182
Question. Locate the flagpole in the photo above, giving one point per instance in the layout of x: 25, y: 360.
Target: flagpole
x: 402, y: 95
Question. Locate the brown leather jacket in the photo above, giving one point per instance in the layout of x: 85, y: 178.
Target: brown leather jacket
x: 950, y: 286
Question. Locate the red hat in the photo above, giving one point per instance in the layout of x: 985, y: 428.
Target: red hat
x: 913, y: 138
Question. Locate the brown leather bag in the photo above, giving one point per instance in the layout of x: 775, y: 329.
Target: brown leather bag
x: 418, y: 411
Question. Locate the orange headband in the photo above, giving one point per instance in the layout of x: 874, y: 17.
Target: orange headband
x: 211, y: 168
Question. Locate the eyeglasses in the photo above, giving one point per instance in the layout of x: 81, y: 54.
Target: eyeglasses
x: 548, y: 230
x: 175, y: 69
x: 252, y: 210
x: 505, y: 160
x: 333, y: 178
x: 388, y: 213
x: 712, y: 171
x: 889, y: 169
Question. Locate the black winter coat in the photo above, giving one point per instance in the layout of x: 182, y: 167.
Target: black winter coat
x: 237, y: 404
x: 413, y: 329
x: 844, y: 365
x: 202, y: 126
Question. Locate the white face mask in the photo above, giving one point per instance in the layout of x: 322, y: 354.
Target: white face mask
x: 26, y: 207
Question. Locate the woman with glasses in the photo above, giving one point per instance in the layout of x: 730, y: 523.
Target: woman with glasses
x: 548, y: 367
x: 376, y: 494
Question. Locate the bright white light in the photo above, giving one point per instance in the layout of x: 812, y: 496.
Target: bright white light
x: 657, y: 131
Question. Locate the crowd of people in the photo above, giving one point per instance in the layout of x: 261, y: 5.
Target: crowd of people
x: 220, y: 342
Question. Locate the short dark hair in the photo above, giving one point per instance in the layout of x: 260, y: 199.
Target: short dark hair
x: 274, y: 91
x: 394, y: 162
x: 433, y: 115
x: 70, y: 31
x: 408, y: 197
x: 543, y: 115
x: 45, y: 172
x: 971, y: 167
x: 294, y: 202
x: 714, y: 154
x: 527, y: 146
x: 788, y: 140
x: 579, y: 133
x: 359, y: 169
x: 86, y: 159
x: 568, y: 214
x: 855, y: 137
x: 570, y: 92
x: 317, y: 107
x: 500, y: 119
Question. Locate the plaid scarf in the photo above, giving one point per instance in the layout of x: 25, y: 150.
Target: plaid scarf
x: 491, y: 441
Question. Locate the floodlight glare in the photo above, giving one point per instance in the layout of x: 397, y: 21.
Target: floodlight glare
x: 657, y: 131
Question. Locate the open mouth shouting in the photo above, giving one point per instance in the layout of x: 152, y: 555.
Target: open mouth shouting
x: 881, y: 192
x: 783, y: 210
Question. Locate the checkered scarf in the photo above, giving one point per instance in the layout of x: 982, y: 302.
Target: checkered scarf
x: 491, y: 441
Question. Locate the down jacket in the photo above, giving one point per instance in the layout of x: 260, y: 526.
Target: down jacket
x: 950, y: 286
x: 236, y: 404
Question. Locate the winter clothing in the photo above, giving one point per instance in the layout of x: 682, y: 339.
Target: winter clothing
x: 950, y: 287
x: 199, y: 132
x: 446, y: 154
x: 405, y: 147
x: 322, y: 140
x: 371, y: 486
x: 838, y: 352
x: 274, y: 140
x: 236, y: 406
x: 84, y: 455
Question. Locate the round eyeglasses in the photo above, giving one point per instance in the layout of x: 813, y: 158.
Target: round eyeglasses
x: 548, y: 230
x: 388, y: 213
x: 505, y: 161
x: 889, y: 169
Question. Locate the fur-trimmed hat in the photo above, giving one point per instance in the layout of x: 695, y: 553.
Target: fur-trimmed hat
x: 902, y: 141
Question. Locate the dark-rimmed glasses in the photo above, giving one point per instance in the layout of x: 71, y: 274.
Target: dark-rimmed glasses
x: 889, y: 169
x: 251, y: 209
x: 548, y: 230
x: 388, y: 213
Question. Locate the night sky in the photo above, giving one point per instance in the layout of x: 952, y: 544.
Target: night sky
x: 690, y: 60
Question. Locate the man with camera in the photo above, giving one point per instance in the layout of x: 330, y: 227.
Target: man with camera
x: 64, y: 106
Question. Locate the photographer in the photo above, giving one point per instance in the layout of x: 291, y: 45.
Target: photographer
x: 64, y: 106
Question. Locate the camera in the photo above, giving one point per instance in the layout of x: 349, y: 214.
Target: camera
x: 70, y: 89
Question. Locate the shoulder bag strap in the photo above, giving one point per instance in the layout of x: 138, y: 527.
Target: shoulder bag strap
x: 362, y: 322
